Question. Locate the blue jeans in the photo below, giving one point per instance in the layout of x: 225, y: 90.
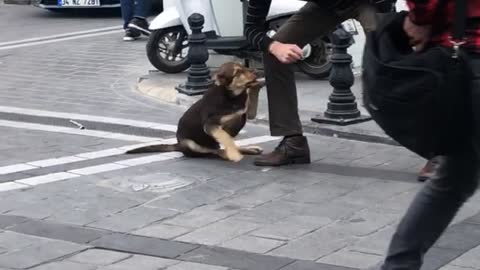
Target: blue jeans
x: 134, y: 8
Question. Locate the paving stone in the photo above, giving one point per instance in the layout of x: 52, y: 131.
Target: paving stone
x: 463, y: 237
x: 188, y: 199
x: 438, y: 257
x: 260, y: 195
x: 106, y: 202
x: 308, y: 265
x: 219, y: 232
x: 35, y: 211
x: 132, y: 219
x: 375, y: 243
x: 453, y: 267
x: 475, y: 219
x: 347, y: 258
x: 99, y: 257
x: 143, y: 245
x: 468, y: 210
x: 234, y: 259
x: 13, y: 241
x: 79, y: 216
x: 399, y: 202
x: 367, y: 222
x: 315, y: 245
x: 196, y: 266
x: 64, y: 265
x: 202, y: 216
x: 163, y: 231
x: 8, y: 220
x: 176, y: 203
x: 272, y: 212
x: 318, y: 193
x: 291, y: 227
x: 142, y: 263
x: 345, y: 182
x: 249, y: 179
x: 70, y: 233
x: 376, y: 192
x: 468, y: 259
x: 252, y: 244
x: 37, y: 254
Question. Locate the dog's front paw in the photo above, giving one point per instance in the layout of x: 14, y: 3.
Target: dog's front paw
x: 233, y: 155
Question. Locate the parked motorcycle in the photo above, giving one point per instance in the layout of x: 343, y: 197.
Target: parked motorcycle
x: 167, y: 47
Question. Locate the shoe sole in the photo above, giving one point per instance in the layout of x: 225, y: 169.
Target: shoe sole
x: 143, y: 30
x: 301, y: 160
x: 129, y: 39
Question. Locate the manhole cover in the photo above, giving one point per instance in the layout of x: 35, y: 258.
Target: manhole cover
x: 158, y: 182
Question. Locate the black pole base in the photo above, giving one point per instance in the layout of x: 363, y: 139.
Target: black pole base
x: 340, y: 121
x: 197, y: 89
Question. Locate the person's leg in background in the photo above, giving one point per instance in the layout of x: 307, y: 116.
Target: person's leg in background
x: 139, y: 21
x: 435, y: 206
x: 128, y: 9
x: 312, y: 21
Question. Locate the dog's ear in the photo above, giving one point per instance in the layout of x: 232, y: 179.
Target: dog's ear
x: 225, y: 74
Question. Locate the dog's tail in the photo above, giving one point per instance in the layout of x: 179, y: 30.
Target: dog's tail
x: 161, y: 148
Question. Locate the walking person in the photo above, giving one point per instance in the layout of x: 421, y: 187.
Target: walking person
x: 317, y: 18
x: 430, y: 22
x: 134, y: 14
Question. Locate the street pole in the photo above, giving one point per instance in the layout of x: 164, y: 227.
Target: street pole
x: 342, y: 108
x: 199, y: 79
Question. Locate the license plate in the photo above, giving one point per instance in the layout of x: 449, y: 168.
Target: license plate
x: 78, y: 3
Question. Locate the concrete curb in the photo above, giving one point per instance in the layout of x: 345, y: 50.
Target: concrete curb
x: 165, y: 92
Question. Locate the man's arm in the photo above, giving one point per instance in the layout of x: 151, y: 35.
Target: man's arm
x: 255, y: 28
x: 255, y: 31
x: 422, y: 12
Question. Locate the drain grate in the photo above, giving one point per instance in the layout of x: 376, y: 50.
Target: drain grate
x: 89, y: 125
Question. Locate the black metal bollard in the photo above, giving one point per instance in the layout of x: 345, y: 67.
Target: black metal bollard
x: 199, y: 79
x: 342, y: 108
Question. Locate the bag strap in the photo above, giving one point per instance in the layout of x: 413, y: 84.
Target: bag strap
x: 459, y: 20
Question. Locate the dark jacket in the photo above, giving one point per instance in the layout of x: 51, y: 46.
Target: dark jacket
x: 255, y: 26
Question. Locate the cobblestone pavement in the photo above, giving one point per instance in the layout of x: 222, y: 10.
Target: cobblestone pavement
x: 70, y: 198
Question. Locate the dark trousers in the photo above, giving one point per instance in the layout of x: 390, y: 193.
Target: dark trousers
x: 134, y: 8
x: 309, y: 23
x: 438, y: 202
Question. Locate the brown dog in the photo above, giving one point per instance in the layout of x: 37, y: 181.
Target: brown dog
x: 217, y: 117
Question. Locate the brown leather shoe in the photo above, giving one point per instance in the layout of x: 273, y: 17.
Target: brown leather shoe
x: 429, y: 169
x: 291, y: 150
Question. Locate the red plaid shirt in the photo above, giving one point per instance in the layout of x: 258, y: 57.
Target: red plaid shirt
x: 431, y: 12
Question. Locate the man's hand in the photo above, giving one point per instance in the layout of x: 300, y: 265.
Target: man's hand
x: 286, y: 53
x: 419, y: 34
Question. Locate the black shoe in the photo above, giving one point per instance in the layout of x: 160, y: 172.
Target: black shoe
x: 131, y: 34
x: 140, y: 24
x: 291, y: 150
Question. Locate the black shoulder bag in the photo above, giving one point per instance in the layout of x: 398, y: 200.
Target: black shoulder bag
x: 420, y: 99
